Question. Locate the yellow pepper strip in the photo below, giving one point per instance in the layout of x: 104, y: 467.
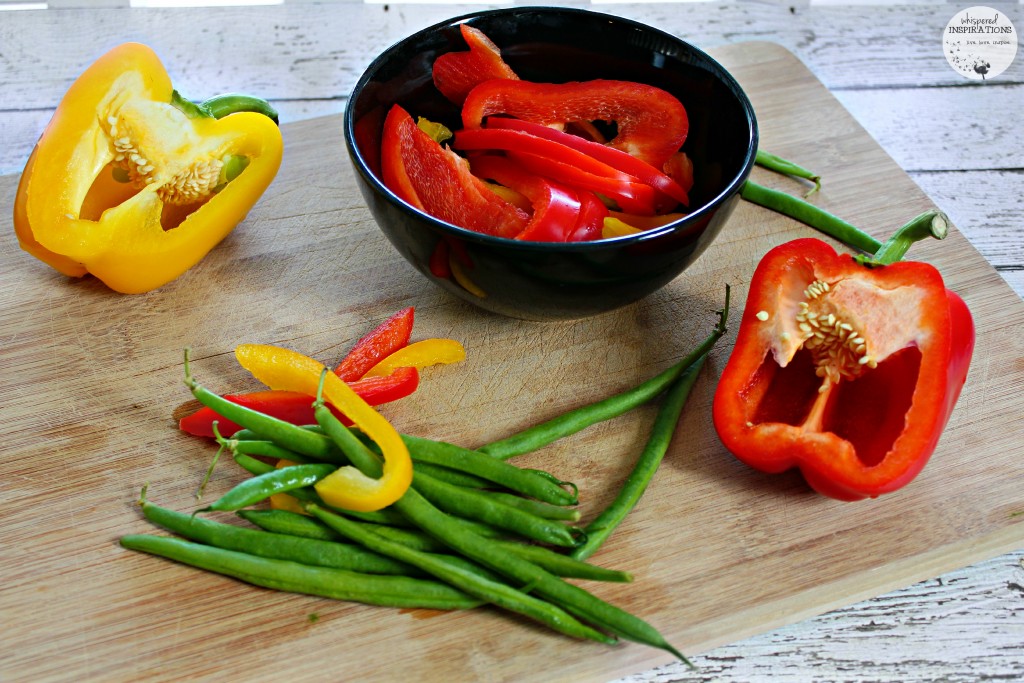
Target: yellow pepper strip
x: 645, y: 222
x: 136, y: 190
x: 613, y: 227
x: 420, y: 355
x: 347, y: 487
x: 282, y: 501
x: 462, y: 277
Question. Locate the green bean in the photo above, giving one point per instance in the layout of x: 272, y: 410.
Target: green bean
x: 261, y: 487
x: 565, y: 566
x: 508, y: 476
x: 647, y: 464
x: 320, y: 553
x: 282, y: 433
x: 426, y: 516
x: 535, y: 507
x: 477, y: 505
x: 811, y: 215
x: 340, y: 584
x: 455, y: 500
x: 780, y: 165
x: 450, y: 476
x: 269, y: 449
x: 575, y: 420
x: 250, y: 443
x: 292, y: 523
x: 495, y: 592
x: 308, y: 495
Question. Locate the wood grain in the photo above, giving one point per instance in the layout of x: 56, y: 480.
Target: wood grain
x: 91, y: 380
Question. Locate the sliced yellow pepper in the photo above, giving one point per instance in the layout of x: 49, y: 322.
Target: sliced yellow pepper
x: 347, y: 487
x: 419, y: 355
x: 613, y: 227
x: 135, y: 185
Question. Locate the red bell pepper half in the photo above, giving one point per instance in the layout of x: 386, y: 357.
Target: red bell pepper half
x: 438, y: 181
x: 298, y: 408
x: 846, y: 372
x: 652, y: 124
x: 456, y: 73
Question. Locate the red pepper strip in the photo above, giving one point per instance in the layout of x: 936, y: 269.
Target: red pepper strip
x: 438, y: 182
x: 439, y: 261
x: 615, y: 158
x: 367, y: 132
x: 372, y: 348
x: 590, y: 223
x: 556, y: 161
x: 679, y: 167
x: 631, y: 196
x: 556, y: 208
x: 846, y: 372
x: 298, y: 408
x: 651, y: 123
x: 456, y: 73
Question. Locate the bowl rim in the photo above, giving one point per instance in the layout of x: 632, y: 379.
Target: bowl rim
x: 733, y: 186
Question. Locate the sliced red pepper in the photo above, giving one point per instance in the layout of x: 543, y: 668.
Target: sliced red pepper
x: 456, y: 73
x: 629, y: 195
x: 615, y: 158
x: 559, y: 162
x: 556, y: 208
x: 381, y: 342
x: 298, y: 408
x: 651, y: 123
x: 590, y: 223
x: 846, y: 372
x: 438, y: 181
x: 679, y: 167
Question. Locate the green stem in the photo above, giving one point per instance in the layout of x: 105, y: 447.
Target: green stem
x: 230, y: 103
x: 221, y: 105
x: 931, y: 223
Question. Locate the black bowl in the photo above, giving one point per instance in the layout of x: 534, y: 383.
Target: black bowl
x: 543, y: 280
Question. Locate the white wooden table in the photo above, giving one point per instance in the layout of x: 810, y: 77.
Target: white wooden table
x: 960, y: 140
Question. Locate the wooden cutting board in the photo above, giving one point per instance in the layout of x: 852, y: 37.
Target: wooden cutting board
x: 91, y: 389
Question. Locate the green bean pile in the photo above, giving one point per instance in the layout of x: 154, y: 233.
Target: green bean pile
x: 472, y: 529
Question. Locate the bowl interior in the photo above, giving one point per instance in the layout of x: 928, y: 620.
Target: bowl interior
x: 559, y: 45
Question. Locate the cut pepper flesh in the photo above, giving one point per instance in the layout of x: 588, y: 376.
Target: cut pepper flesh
x: 173, y: 204
x: 845, y: 372
x: 347, y: 487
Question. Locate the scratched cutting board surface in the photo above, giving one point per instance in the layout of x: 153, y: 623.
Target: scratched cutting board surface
x: 90, y: 387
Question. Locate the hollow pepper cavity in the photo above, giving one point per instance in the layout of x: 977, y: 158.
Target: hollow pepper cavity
x: 845, y: 371
x: 134, y: 184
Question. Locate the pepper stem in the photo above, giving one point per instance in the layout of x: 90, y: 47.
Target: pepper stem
x: 221, y: 105
x: 931, y: 223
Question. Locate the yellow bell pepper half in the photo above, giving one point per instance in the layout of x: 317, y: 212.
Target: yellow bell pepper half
x: 347, y: 487
x: 135, y: 185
